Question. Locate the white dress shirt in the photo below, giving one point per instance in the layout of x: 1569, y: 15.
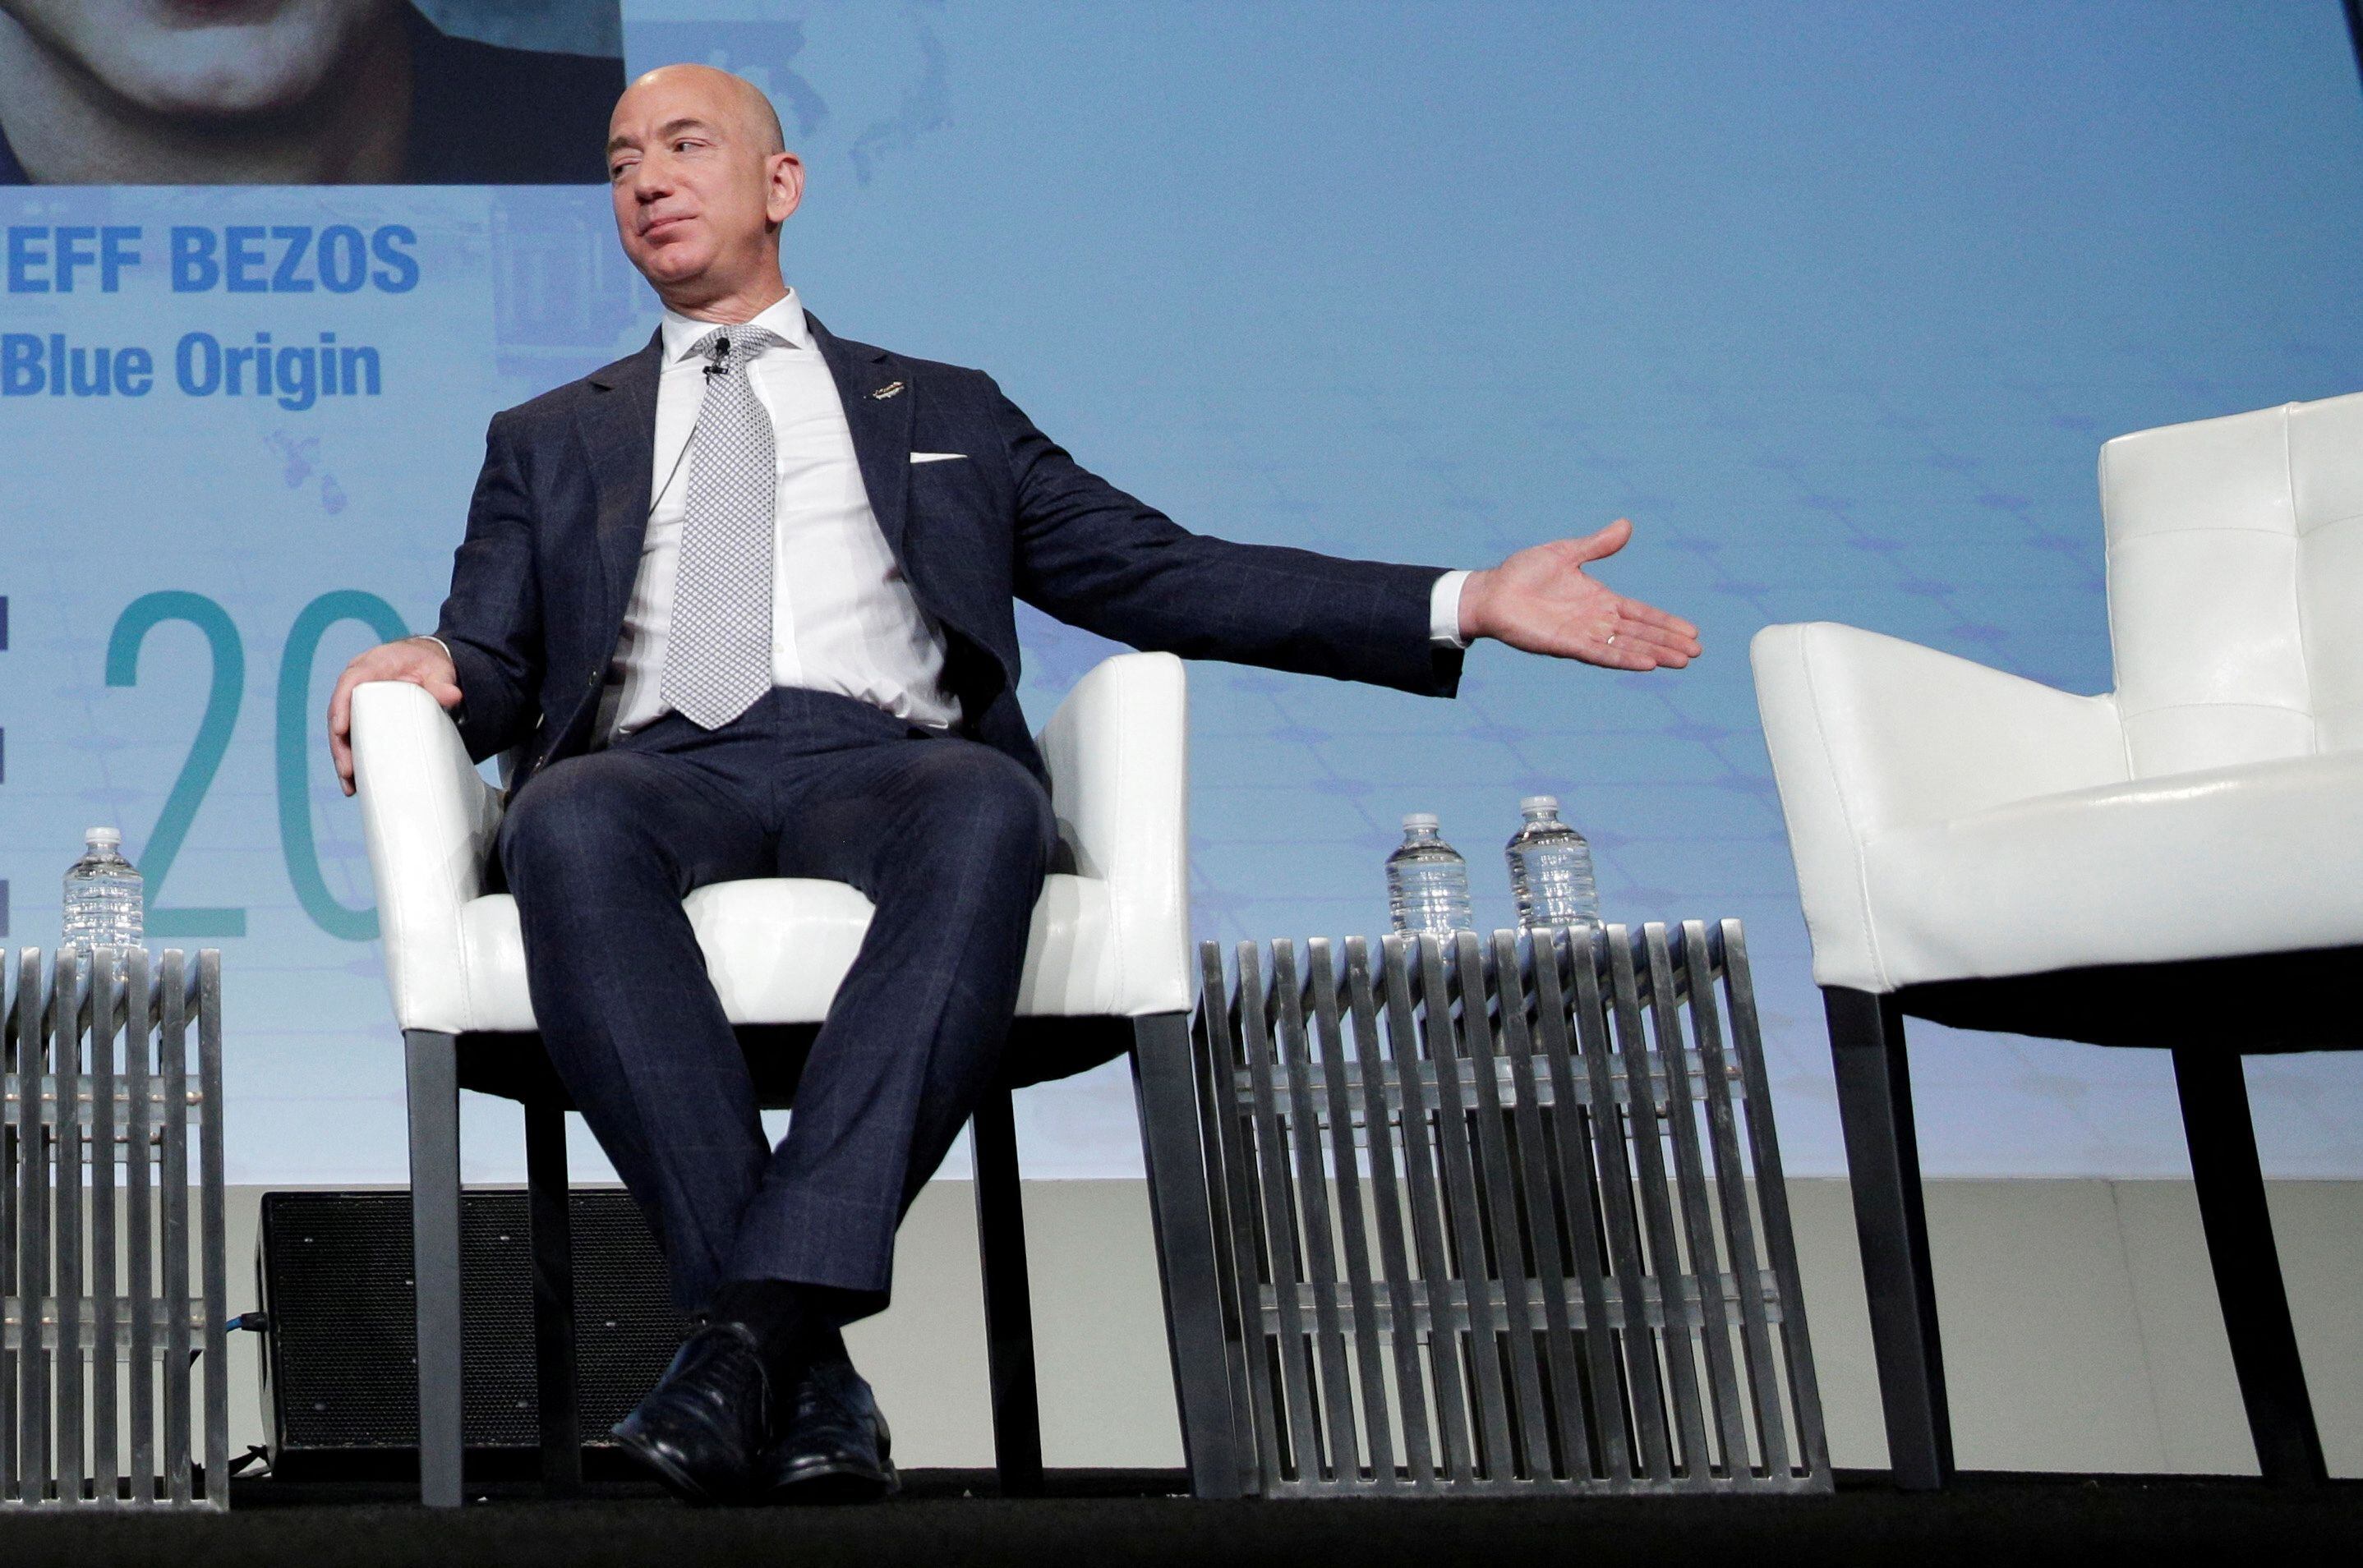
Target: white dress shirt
x: 843, y: 619
x: 1444, y: 610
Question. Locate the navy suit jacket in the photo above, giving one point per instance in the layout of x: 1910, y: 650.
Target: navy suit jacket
x: 542, y: 579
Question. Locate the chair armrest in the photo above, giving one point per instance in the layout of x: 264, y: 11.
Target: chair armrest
x: 428, y: 819
x: 1118, y: 753
x: 1888, y: 733
x: 1868, y: 733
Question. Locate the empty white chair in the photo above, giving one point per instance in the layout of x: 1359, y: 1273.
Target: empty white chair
x: 2178, y: 862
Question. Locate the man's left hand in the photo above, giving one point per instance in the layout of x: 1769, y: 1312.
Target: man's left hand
x: 1542, y: 601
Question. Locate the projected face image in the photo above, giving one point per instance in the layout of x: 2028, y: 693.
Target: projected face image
x: 211, y: 57
x: 286, y: 91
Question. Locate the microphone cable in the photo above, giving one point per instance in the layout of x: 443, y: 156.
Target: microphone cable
x: 717, y: 354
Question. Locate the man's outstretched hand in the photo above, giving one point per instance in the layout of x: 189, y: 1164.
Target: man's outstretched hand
x: 419, y: 660
x: 1541, y: 600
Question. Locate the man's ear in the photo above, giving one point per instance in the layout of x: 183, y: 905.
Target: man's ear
x: 786, y: 187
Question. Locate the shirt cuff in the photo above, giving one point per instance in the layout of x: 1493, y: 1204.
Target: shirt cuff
x: 431, y: 638
x: 1444, y: 610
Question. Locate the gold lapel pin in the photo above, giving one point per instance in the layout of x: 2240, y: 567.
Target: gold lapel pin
x: 889, y: 390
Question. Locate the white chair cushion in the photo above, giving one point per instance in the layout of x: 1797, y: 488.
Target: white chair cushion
x: 778, y: 947
x: 2258, y: 858
x: 1111, y: 941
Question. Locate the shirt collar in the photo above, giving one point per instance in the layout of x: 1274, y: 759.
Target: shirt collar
x: 785, y: 316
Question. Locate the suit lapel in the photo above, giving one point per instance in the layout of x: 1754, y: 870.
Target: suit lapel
x: 619, y: 431
x: 881, y: 427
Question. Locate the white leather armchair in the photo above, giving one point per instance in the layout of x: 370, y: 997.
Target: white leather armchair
x: 1110, y: 942
x: 2177, y: 863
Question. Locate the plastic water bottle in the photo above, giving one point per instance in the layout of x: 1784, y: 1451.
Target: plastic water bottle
x: 1550, y: 868
x: 1427, y: 882
x: 103, y: 896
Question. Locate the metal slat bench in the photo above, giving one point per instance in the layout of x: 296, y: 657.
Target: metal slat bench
x: 96, y: 1107
x: 1503, y: 1216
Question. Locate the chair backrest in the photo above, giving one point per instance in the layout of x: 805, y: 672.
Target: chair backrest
x: 2236, y: 586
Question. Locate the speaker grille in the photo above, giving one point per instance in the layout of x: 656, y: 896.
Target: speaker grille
x: 342, y: 1363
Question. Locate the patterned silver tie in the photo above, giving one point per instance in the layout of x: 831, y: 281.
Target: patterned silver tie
x: 718, y: 657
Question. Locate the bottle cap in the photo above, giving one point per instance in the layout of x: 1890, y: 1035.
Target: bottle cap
x: 103, y: 837
x: 1419, y: 818
x: 1539, y: 803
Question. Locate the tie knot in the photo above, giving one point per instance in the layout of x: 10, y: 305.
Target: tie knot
x: 733, y: 345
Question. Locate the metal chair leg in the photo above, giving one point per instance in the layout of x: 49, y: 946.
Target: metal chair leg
x: 433, y: 1065
x: 1008, y: 1298
x: 553, y: 1301
x: 1884, y: 1164
x: 1171, y: 1148
x: 2247, y: 1266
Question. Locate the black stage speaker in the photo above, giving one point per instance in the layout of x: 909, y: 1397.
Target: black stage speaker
x: 339, y: 1372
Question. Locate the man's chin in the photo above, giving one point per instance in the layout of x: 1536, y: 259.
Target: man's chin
x: 666, y: 265
x: 225, y: 73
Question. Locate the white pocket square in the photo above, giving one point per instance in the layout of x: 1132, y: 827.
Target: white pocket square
x: 936, y: 457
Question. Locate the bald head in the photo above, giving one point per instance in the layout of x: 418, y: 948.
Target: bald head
x: 702, y: 182
x: 746, y: 101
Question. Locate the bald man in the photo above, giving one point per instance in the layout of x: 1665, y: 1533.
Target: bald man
x: 746, y: 598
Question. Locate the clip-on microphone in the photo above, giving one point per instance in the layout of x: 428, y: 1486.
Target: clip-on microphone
x: 717, y: 356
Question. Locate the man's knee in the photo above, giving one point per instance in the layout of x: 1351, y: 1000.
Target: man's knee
x: 996, y: 808
x: 571, y: 816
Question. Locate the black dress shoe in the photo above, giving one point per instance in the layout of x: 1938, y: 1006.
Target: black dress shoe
x: 833, y: 1445
x: 704, y: 1425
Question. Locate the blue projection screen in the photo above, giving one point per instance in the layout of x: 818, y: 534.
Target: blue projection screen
x: 1835, y: 301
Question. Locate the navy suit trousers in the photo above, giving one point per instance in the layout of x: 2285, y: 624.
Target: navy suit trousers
x: 948, y: 838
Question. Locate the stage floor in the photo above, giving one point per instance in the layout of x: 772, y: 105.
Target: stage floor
x: 951, y: 1517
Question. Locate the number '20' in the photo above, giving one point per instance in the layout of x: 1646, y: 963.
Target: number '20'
x: 292, y: 749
